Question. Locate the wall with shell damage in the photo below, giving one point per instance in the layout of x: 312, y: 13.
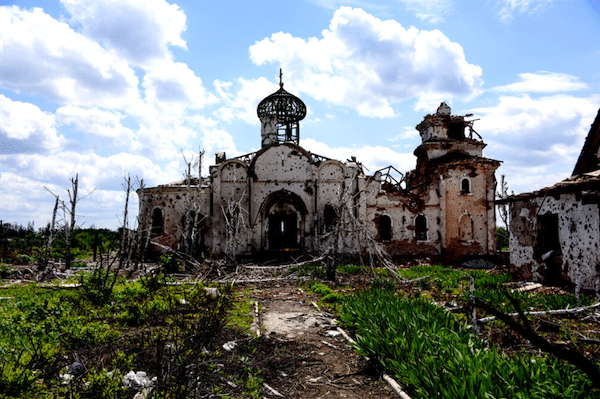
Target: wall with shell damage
x: 555, y: 239
x: 281, y: 179
x: 170, y: 204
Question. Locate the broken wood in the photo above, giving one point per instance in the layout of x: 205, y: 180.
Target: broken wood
x: 546, y: 312
x: 560, y: 351
x: 272, y: 390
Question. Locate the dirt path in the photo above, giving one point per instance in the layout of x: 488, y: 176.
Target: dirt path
x: 306, y: 357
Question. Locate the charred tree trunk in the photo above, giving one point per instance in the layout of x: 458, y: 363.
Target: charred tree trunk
x: 50, y: 236
x: 71, y: 227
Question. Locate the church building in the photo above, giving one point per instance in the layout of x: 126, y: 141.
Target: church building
x: 283, y: 198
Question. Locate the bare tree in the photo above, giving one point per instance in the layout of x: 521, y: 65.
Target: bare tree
x: 69, y: 218
x: 235, y: 223
x: 349, y: 230
x: 192, y: 218
x: 502, y: 194
x: 51, y: 233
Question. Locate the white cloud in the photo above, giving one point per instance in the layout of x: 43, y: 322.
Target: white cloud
x: 372, y: 157
x: 26, y: 128
x: 243, y: 103
x: 97, y: 122
x: 368, y: 64
x: 508, y: 8
x: 543, y: 82
x: 174, y: 86
x: 536, y: 137
x: 39, y: 55
x: 24, y: 177
x: 139, y: 30
x: 429, y: 10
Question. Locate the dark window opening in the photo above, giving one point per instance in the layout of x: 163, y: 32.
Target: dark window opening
x: 456, y: 131
x: 157, y: 222
x: 385, y: 228
x: 547, y: 236
x: 330, y: 217
x: 465, y: 186
x: 547, y: 248
x: 421, y: 228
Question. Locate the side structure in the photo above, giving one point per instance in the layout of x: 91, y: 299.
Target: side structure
x: 555, y: 231
x: 284, y: 198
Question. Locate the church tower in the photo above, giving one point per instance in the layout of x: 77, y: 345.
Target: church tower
x: 280, y: 114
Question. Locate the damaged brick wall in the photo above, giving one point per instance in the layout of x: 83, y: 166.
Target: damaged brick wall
x: 577, y: 256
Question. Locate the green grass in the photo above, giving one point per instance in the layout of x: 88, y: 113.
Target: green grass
x: 43, y: 330
x: 434, y: 355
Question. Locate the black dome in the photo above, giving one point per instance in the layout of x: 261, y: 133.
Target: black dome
x: 287, y: 107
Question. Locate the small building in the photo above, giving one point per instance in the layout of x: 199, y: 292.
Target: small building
x: 555, y: 231
x: 283, y: 198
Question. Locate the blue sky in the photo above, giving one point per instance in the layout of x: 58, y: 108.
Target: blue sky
x: 106, y: 88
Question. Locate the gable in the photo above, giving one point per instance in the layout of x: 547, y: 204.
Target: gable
x: 589, y: 159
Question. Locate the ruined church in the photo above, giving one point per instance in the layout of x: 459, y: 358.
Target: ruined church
x: 285, y: 199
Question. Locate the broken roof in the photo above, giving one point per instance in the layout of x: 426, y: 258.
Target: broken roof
x: 589, y: 157
x: 589, y: 181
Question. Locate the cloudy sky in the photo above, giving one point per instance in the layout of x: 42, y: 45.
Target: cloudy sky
x: 109, y: 88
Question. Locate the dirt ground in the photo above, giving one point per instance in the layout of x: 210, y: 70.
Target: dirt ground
x: 302, y: 354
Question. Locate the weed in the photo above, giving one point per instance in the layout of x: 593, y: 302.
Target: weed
x: 351, y: 269
x: 383, y: 283
x: 321, y: 289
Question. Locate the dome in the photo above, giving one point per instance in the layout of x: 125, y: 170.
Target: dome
x: 287, y: 107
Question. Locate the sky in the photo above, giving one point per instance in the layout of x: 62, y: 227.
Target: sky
x: 106, y: 89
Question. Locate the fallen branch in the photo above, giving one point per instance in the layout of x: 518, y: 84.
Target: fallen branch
x: 560, y: 351
x: 320, y: 258
x: 546, y: 312
x: 273, y: 391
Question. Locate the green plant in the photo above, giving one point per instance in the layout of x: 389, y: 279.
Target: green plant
x: 333, y: 297
x: 4, y: 271
x: 123, y: 361
x: 383, y: 283
x: 351, y: 269
x: 170, y: 264
x: 321, y: 289
x: 427, y: 348
x: 106, y: 385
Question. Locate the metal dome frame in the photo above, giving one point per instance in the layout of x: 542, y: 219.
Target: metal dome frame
x: 287, y: 107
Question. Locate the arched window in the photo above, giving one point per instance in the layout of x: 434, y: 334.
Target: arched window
x: 330, y: 217
x: 421, y: 228
x: 385, y: 228
x: 465, y: 186
x: 465, y: 227
x: 157, y: 222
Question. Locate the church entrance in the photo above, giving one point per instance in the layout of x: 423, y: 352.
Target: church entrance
x: 283, y: 231
x: 283, y: 222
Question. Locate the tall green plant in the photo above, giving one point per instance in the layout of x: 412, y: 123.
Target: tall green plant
x: 434, y: 355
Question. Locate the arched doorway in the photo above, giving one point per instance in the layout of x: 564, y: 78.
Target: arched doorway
x: 283, y: 219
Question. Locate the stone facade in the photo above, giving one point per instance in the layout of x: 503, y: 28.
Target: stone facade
x: 555, y: 232
x: 283, y: 198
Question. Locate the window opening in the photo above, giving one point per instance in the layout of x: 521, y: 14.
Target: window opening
x: 157, y: 222
x: 385, y: 228
x: 547, y: 247
x: 465, y: 186
x: 330, y: 217
x: 421, y: 228
x: 456, y: 131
